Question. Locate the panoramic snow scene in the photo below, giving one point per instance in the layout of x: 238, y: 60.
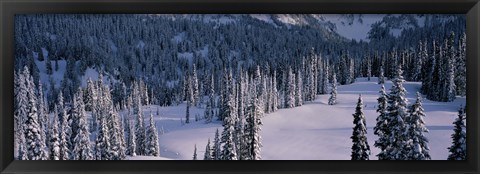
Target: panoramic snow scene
x: 240, y: 87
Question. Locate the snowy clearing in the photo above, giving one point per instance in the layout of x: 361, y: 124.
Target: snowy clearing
x: 312, y: 131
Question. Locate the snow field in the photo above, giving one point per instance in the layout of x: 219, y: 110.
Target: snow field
x: 314, y: 131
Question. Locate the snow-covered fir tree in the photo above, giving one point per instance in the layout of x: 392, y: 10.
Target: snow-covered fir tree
x: 420, y: 58
x: 35, y: 148
x: 114, y: 128
x: 227, y: 140
x: 360, y: 147
x: 65, y: 145
x: 333, y: 93
x: 460, y: 69
x: 450, y: 88
x: 397, y: 113
x: 381, y: 77
x: 240, y: 121
x: 81, y: 142
x: 102, y: 143
x: 369, y: 68
x: 381, y: 129
x: 344, y: 69
x: 90, y: 96
x: 194, y: 85
x: 318, y: 75
x: 208, y: 151
x: 299, y: 88
x: 211, y: 102
x: 458, y: 150
x: 225, y: 90
x: 152, y: 146
x: 418, y: 143
x: 290, y: 96
x: 195, y: 152
x: 275, y: 93
x: 21, y: 109
x: 190, y: 101
x: 261, y: 89
x: 131, y: 141
x: 139, y: 127
x: 43, y: 119
x: 351, y: 72
x: 325, y: 80
x: 55, y: 139
x: 216, y: 150
x: 252, y: 130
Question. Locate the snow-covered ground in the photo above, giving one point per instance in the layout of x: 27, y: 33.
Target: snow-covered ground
x: 313, y: 131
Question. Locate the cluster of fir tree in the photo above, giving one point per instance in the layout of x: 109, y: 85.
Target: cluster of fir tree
x: 64, y: 132
x: 292, y: 87
x: 52, y: 43
x: 242, y: 103
x: 38, y: 138
x: 90, y: 45
x: 401, y: 130
x: 157, y: 57
x: 441, y: 67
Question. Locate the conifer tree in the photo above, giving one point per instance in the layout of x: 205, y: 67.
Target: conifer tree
x: 369, y: 68
x: 82, y: 149
x: 299, y: 87
x: 194, y: 86
x: 252, y: 130
x: 397, y: 112
x: 381, y: 77
x: 35, y: 148
x: 132, y: 147
x: 48, y: 64
x: 152, y: 147
x: 55, y: 139
x: 458, y: 150
x: 325, y: 79
x: 21, y: 110
x: 351, y: 72
x: 216, y: 153
x: 43, y: 115
x: 208, y: 152
x: 140, y: 134
x: 319, y: 76
x: 240, y: 121
x: 90, y: 97
x: 450, y: 88
x: 211, y: 103
x: 417, y: 71
x: 187, y: 110
x: 418, y: 142
x: 333, y: 93
x: 360, y: 147
x: 255, y: 129
x: 381, y: 129
x: 274, y: 92
x: 226, y: 83
x: 102, y: 143
x: 460, y: 73
x: 117, y: 151
x: 65, y: 145
x: 229, y: 149
x: 195, y: 153
x: 290, y: 97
